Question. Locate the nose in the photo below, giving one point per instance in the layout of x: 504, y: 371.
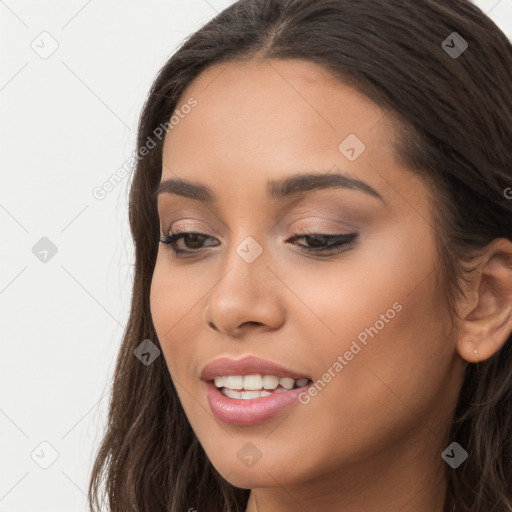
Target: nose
x: 247, y: 296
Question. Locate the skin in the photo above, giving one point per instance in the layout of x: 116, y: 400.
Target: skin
x: 371, y: 439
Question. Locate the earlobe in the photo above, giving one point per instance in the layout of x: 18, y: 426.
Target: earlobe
x: 486, y: 319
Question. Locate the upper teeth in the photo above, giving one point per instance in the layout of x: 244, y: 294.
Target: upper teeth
x: 257, y: 382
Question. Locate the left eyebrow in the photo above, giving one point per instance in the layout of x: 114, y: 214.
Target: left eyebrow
x: 304, y: 182
x: 276, y: 189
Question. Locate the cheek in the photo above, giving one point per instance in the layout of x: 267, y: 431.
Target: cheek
x: 175, y: 306
x: 392, y: 333
x: 382, y: 291
x: 381, y: 313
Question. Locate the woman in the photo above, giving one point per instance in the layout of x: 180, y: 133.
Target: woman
x: 322, y: 305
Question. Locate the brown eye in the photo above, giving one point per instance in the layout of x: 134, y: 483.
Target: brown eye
x: 327, y: 243
x: 192, y: 242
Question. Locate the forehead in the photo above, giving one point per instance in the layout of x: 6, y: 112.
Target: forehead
x: 271, y: 118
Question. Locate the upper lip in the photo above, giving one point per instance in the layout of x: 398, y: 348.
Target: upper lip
x: 249, y: 365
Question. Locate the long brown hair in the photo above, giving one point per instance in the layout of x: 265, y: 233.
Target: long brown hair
x: 455, y: 118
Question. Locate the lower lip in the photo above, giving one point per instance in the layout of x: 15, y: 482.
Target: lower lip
x: 251, y: 411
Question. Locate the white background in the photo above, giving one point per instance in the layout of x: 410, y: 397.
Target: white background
x: 68, y: 123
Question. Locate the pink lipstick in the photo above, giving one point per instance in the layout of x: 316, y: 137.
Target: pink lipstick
x: 250, y: 390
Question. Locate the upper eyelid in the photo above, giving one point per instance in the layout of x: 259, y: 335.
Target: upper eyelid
x: 312, y: 215
x: 297, y: 231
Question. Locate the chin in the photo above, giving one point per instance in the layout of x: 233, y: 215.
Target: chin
x: 261, y: 474
x: 250, y: 478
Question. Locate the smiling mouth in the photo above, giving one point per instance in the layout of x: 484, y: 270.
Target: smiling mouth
x: 247, y: 387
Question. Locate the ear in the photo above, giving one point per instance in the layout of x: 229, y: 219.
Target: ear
x: 486, y: 314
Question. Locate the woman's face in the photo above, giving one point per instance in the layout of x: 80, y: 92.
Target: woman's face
x: 364, y: 322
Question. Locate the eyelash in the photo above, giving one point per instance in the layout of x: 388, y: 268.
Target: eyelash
x: 341, y: 242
